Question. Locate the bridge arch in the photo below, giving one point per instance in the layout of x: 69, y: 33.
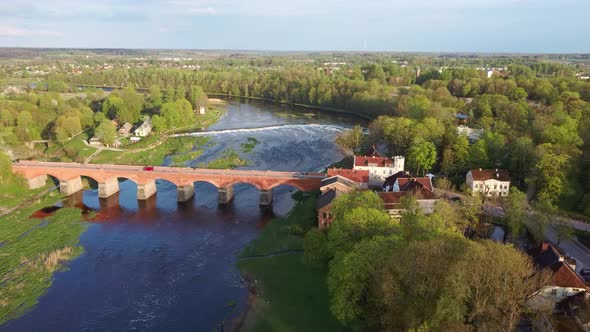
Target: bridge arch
x: 290, y: 183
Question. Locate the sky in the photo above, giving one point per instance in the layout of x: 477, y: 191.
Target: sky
x: 498, y: 26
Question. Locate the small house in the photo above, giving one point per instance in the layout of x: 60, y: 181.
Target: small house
x: 135, y: 139
x: 95, y: 141
x: 144, y: 129
x: 201, y: 110
x: 125, y: 129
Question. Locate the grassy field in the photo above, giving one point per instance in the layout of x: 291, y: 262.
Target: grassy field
x: 153, y: 156
x: 15, y: 193
x: 31, y: 251
x: 229, y: 159
x: 290, y: 296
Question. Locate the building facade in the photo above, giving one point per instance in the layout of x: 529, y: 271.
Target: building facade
x: 144, y: 129
x: 379, y: 167
x: 489, y: 182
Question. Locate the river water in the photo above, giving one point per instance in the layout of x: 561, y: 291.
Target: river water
x: 159, y: 265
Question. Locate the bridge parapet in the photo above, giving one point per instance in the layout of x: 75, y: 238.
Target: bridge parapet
x: 106, y: 176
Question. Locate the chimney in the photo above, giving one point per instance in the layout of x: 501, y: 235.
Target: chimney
x: 497, y: 175
x: 544, y: 246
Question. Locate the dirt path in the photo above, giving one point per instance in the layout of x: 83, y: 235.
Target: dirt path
x: 26, y: 203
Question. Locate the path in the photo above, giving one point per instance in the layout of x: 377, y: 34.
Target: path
x: 27, y: 202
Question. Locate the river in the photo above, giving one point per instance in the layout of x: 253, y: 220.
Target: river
x: 160, y: 265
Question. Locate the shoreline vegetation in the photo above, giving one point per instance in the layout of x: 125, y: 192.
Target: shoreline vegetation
x: 284, y: 294
x: 33, y: 250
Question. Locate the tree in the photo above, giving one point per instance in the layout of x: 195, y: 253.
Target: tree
x: 106, y: 132
x: 315, y: 249
x: 198, y: 98
x: 550, y: 173
x: 353, y: 284
x: 422, y: 155
x: 159, y: 123
x: 563, y: 230
x: 478, y: 155
x: 350, y: 139
x: 543, y: 212
x: 515, y: 207
x: 6, y: 174
x: 154, y: 101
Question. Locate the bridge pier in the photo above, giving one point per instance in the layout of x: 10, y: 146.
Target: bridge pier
x: 185, y: 193
x: 146, y: 190
x: 108, y: 188
x: 265, y: 197
x: 71, y: 186
x: 37, y: 182
x: 225, y: 195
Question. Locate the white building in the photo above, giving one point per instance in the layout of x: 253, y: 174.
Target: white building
x: 471, y: 133
x: 202, y: 110
x: 144, y: 129
x: 379, y: 167
x: 489, y: 182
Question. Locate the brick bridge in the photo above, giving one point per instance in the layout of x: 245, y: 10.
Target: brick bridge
x: 70, y: 181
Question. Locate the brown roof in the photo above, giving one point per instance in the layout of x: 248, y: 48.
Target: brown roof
x: 390, y: 180
x: 488, y: 174
x: 360, y: 176
x: 406, y: 184
x: 372, y: 152
x: 565, y: 276
x: 391, y: 197
x: 365, y: 161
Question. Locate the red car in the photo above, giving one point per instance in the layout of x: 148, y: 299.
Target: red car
x: 148, y: 168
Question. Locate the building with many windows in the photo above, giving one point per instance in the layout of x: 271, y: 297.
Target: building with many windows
x: 489, y: 182
x: 379, y: 167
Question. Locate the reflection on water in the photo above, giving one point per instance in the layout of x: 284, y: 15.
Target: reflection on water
x: 157, y: 265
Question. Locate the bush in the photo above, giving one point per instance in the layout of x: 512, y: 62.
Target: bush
x: 315, y: 249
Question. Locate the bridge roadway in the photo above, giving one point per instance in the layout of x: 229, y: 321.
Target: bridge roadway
x: 106, y: 175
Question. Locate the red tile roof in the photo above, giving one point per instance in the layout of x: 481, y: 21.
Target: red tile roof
x: 360, y: 176
x: 406, y: 184
x: 379, y: 161
x: 488, y: 174
x: 564, y: 276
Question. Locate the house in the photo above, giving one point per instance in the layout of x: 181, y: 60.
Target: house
x: 324, y: 206
x: 201, y: 110
x: 144, y: 129
x: 564, y: 282
x: 359, y: 177
x: 403, y: 181
x: 379, y: 167
x: 490, y: 182
x: 95, y: 141
x: 392, y: 201
x: 135, y: 139
x: 125, y: 129
x: 472, y: 134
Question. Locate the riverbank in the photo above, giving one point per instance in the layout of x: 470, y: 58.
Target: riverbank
x: 32, y: 250
x: 285, y: 295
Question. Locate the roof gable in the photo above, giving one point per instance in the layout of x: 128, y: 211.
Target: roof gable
x: 489, y: 174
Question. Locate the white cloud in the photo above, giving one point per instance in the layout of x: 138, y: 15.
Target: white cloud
x: 15, y: 31
x: 202, y: 11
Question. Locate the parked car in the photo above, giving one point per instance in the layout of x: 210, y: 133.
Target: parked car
x: 585, y: 272
x: 148, y: 168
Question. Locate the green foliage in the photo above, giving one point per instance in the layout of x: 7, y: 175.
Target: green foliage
x: 106, y: 132
x: 350, y: 139
x: 422, y: 156
x: 249, y: 144
x: 315, y: 249
x: 515, y: 208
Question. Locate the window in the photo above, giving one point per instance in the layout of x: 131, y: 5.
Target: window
x: 554, y: 292
x: 495, y: 186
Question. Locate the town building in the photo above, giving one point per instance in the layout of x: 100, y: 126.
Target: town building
x: 489, y: 182
x: 379, y: 167
x: 324, y: 207
x: 144, y: 129
x: 564, y: 286
x: 472, y: 134
x: 95, y: 141
x: 359, y: 177
x: 392, y: 201
x: 125, y: 129
x: 403, y: 181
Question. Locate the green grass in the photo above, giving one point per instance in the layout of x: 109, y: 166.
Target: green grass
x: 229, y: 159
x: 14, y: 193
x: 32, y: 251
x: 284, y: 233
x: 153, y: 156
x: 249, y: 144
x: 291, y: 296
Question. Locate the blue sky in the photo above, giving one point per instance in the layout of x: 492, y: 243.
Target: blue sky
x: 393, y: 25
